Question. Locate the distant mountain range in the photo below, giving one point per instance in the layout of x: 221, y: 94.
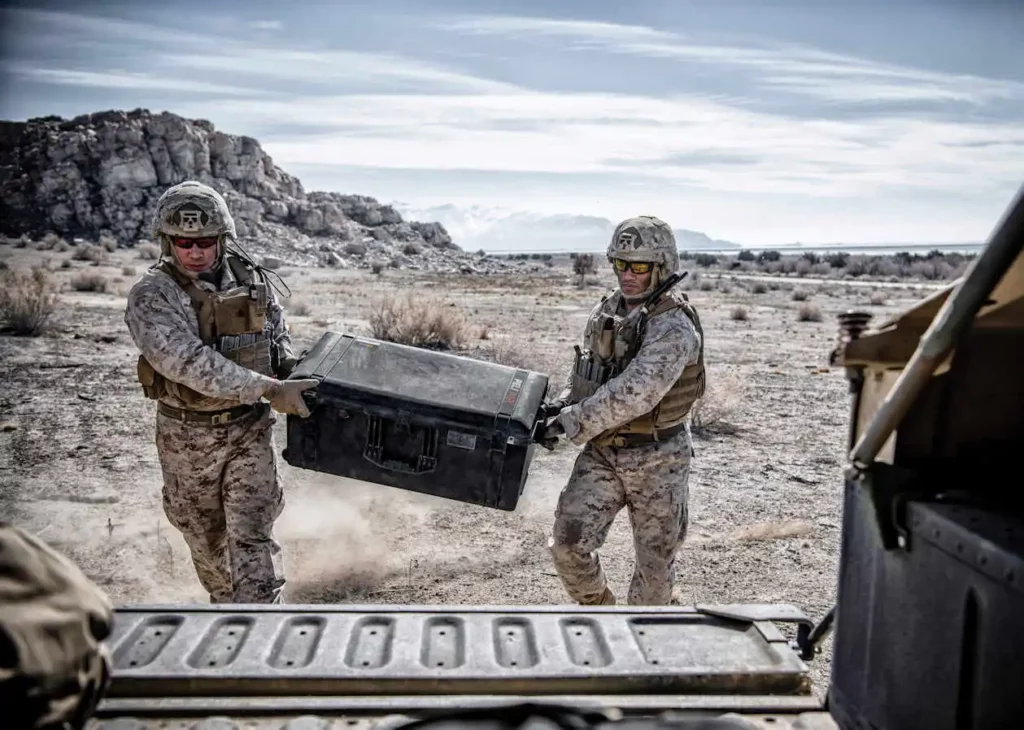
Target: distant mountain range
x: 501, y: 231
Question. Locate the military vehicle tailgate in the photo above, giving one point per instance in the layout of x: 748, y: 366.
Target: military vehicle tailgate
x: 296, y: 659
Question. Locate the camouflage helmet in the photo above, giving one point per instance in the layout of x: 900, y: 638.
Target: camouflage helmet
x: 54, y: 666
x: 192, y: 210
x: 645, y: 238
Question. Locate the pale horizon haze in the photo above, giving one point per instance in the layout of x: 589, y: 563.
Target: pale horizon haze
x: 761, y: 123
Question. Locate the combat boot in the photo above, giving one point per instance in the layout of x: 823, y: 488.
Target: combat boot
x: 607, y: 599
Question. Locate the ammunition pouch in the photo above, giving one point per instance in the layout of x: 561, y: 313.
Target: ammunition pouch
x: 588, y: 374
x: 240, y: 311
x: 155, y: 386
x: 251, y: 351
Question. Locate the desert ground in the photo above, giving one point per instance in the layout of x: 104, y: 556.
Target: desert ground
x: 78, y: 465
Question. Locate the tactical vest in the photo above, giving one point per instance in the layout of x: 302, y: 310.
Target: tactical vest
x: 232, y: 322
x: 612, y: 345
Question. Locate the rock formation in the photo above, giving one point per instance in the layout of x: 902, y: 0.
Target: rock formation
x: 101, y: 175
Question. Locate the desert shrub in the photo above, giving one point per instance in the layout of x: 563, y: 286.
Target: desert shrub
x: 877, y: 298
x: 808, y: 313
x: 128, y: 271
x: 714, y: 412
x: 582, y: 264
x: 109, y: 244
x: 50, y: 242
x: 300, y: 308
x: 27, y: 300
x: 837, y: 260
x: 89, y: 252
x: 418, y: 321
x: 758, y: 288
x: 148, y: 251
x: 738, y: 314
x: 89, y: 281
x: 799, y: 295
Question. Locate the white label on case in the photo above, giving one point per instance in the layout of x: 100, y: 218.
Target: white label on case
x: 462, y: 440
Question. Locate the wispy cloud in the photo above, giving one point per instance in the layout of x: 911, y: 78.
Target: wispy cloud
x: 168, y: 59
x: 799, y: 70
x: 266, y: 24
x: 125, y: 80
x: 324, y: 67
x: 687, y: 140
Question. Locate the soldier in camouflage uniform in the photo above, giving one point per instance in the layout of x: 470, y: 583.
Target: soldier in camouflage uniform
x: 54, y: 668
x: 213, y: 342
x: 627, y: 402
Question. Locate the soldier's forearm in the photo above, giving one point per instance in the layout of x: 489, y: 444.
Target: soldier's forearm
x: 208, y: 372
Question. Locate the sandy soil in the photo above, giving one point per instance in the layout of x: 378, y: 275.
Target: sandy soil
x: 78, y: 465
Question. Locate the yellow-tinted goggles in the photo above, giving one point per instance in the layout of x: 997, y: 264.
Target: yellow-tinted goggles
x: 637, y: 267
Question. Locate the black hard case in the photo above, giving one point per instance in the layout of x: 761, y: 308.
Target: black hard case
x: 417, y: 419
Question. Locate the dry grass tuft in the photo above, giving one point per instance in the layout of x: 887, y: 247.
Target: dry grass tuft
x: 89, y: 281
x: 808, y: 313
x: 738, y: 314
x: 773, y: 530
x: 713, y: 413
x: 877, y: 298
x: 418, y: 321
x: 799, y: 295
x: 27, y: 300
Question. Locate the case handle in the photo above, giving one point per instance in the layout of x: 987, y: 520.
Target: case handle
x: 374, y: 452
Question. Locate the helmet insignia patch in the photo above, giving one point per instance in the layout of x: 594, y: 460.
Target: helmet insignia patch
x: 629, y: 238
x: 190, y: 218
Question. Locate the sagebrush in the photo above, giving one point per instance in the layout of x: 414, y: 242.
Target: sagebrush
x: 420, y: 321
x: 27, y: 300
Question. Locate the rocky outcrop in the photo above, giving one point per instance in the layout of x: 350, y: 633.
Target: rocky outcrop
x: 101, y: 175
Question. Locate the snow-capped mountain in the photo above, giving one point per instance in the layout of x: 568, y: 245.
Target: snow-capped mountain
x: 499, y: 231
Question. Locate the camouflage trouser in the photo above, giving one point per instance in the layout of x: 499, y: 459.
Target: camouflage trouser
x: 222, y: 490
x: 650, y: 480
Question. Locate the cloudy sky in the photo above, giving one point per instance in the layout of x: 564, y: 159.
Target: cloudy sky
x: 762, y: 122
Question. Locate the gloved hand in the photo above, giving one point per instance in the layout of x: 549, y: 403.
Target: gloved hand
x: 284, y: 369
x: 547, y: 435
x: 552, y: 409
x: 285, y: 396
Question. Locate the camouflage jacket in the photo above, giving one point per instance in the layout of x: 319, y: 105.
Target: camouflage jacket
x: 164, y: 325
x: 669, y: 344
